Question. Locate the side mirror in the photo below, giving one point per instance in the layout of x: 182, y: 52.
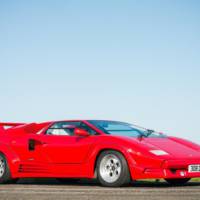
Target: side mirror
x: 81, y: 132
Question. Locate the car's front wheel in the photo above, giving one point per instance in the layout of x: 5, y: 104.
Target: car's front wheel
x: 112, y: 169
x: 180, y: 181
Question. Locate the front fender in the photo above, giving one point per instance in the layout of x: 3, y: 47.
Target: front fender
x: 95, y: 152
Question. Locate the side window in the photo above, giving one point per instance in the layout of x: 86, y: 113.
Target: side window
x: 63, y: 128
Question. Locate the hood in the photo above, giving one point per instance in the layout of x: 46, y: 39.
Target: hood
x: 177, y: 148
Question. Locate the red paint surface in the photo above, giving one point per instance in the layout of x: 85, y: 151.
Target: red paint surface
x: 75, y: 156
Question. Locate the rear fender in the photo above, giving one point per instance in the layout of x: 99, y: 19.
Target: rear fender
x: 12, y: 159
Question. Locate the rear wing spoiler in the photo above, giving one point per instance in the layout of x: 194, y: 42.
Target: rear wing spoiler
x: 10, y: 124
x: 27, y: 127
x: 5, y: 125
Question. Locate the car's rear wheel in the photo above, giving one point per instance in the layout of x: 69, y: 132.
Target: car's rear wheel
x: 112, y: 169
x: 5, y: 176
x: 180, y: 181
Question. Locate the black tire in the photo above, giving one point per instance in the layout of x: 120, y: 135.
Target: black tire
x: 5, y: 176
x: 124, y: 175
x: 180, y: 181
x: 68, y: 180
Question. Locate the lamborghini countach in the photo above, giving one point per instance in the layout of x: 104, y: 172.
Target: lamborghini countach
x: 113, y: 152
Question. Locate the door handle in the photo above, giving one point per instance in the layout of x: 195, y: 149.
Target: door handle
x: 43, y: 143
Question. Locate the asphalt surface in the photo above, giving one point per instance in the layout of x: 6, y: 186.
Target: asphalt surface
x: 84, y: 190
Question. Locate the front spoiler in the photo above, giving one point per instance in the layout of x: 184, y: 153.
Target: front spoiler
x: 168, y: 170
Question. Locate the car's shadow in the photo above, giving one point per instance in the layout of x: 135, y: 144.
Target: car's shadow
x: 86, y: 182
x: 161, y: 184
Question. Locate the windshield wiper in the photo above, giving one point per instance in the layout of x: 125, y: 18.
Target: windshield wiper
x: 149, y: 132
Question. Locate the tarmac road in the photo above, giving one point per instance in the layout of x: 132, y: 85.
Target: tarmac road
x: 85, y: 190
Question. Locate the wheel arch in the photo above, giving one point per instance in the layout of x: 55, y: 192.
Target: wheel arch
x: 119, y: 150
x: 11, y: 158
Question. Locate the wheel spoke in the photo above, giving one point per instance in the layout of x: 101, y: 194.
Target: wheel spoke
x: 2, y: 167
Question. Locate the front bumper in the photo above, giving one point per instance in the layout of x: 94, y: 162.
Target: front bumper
x: 169, y: 169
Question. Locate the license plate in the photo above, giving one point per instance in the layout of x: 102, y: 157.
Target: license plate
x: 194, y: 168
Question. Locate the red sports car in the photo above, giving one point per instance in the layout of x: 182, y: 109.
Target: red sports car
x: 113, y: 152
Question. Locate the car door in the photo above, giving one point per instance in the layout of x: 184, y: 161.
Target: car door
x: 61, y: 146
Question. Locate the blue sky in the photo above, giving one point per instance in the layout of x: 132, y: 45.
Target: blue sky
x: 135, y: 61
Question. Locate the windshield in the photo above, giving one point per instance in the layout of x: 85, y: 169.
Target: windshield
x: 123, y: 129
